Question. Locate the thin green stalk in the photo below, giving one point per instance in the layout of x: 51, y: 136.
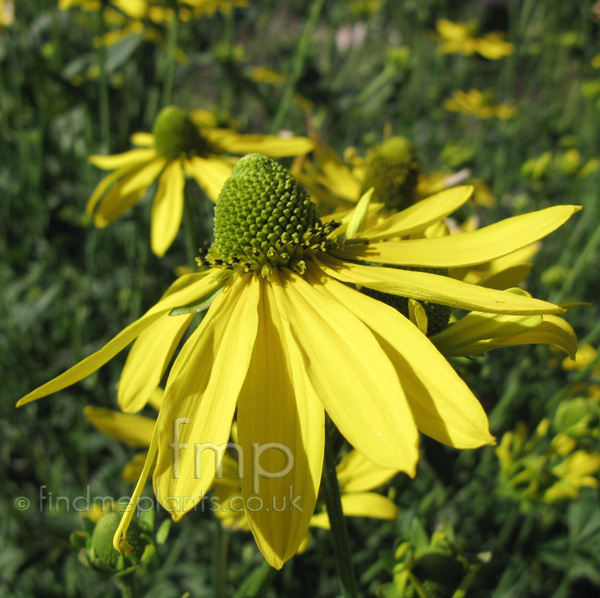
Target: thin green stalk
x: 220, y: 549
x: 297, y: 65
x: 103, y: 90
x: 171, y: 58
x: 257, y: 582
x: 126, y: 585
x: 339, y: 531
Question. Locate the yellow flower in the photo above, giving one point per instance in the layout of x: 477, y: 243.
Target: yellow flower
x: 478, y: 104
x: 7, y: 13
x: 356, y: 476
x: 180, y: 145
x: 458, y: 38
x: 287, y: 337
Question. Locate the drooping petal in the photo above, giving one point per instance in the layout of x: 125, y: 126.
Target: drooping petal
x: 465, y: 249
x: 194, y: 422
x: 143, y: 177
x: 167, y: 209
x: 359, y: 214
x: 268, y: 145
x: 352, y: 375
x: 357, y: 474
x: 433, y: 287
x: 360, y: 504
x: 148, y: 360
x: 132, y: 430
x: 103, y: 186
x: 419, y: 216
x: 209, y: 173
x: 553, y: 331
x: 120, y: 537
x: 187, y: 290
x: 115, y: 203
x: 443, y: 406
x: 134, y: 157
x: 278, y: 408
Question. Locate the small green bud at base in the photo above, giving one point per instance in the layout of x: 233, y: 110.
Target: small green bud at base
x: 175, y: 135
x: 265, y: 219
x: 100, y: 550
x: 437, y: 315
x: 392, y: 169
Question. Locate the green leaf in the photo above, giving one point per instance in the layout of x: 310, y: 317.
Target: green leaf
x: 197, y: 306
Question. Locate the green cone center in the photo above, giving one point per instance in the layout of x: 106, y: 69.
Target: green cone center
x: 175, y: 135
x: 265, y: 219
x: 392, y: 168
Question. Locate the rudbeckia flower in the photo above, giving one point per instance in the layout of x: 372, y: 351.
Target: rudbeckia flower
x: 478, y: 104
x: 180, y: 145
x: 288, y: 337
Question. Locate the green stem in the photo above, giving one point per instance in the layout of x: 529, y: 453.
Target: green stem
x: 171, y: 58
x: 126, y: 585
x: 257, y: 582
x: 297, y: 65
x: 220, y: 546
x: 103, y: 91
x: 339, y: 531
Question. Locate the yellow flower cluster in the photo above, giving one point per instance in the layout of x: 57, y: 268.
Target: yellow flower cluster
x: 477, y: 103
x: 546, y: 467
x: 459, y: 38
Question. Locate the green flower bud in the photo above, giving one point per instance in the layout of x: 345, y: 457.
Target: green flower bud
x: 392, y: 168
x: 100, y: 551
x: 176, y: 135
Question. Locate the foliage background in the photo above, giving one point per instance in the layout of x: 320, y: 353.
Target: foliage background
x: 67, y: 287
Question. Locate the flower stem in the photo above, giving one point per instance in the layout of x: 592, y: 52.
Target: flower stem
x: 257, y: 582
x: 339, y: 531
x: 297, y: 65
x: 172, y: 34
x: 220, y: 545
x: 103, y: 92
x: 126, y: 585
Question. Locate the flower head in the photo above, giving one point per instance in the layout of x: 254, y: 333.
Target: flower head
x: 284, y: 342
x: 180, y: 145
x: 459, y: 38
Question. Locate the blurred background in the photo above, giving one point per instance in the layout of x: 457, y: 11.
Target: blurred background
x: 506, y: 93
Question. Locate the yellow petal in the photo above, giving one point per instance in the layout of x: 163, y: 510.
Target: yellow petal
x: 419, y: 216
x: 360, y: 504
x: 358, y: 215
x: 167, y: 209
x: 505, y: 279
x: 209, y: 173
x: 142, y: 139
x: 201, y: 396
x: 103, y: 186
x: 187, y: 290
x: 553, y: 331
x: 467, y: 249
x: 143, y: 177
x: 443, y: 406
x: 132, y: 430
x: 134, y: 157
x: 268, y: 145
x: 115, y: 203
x: 451, y: 31
x: 433, y: 287
x: 278, y: 405
x: 351, y: 374
x: 148, y: 360
x: 120, y: 537
x: 356, y: 473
